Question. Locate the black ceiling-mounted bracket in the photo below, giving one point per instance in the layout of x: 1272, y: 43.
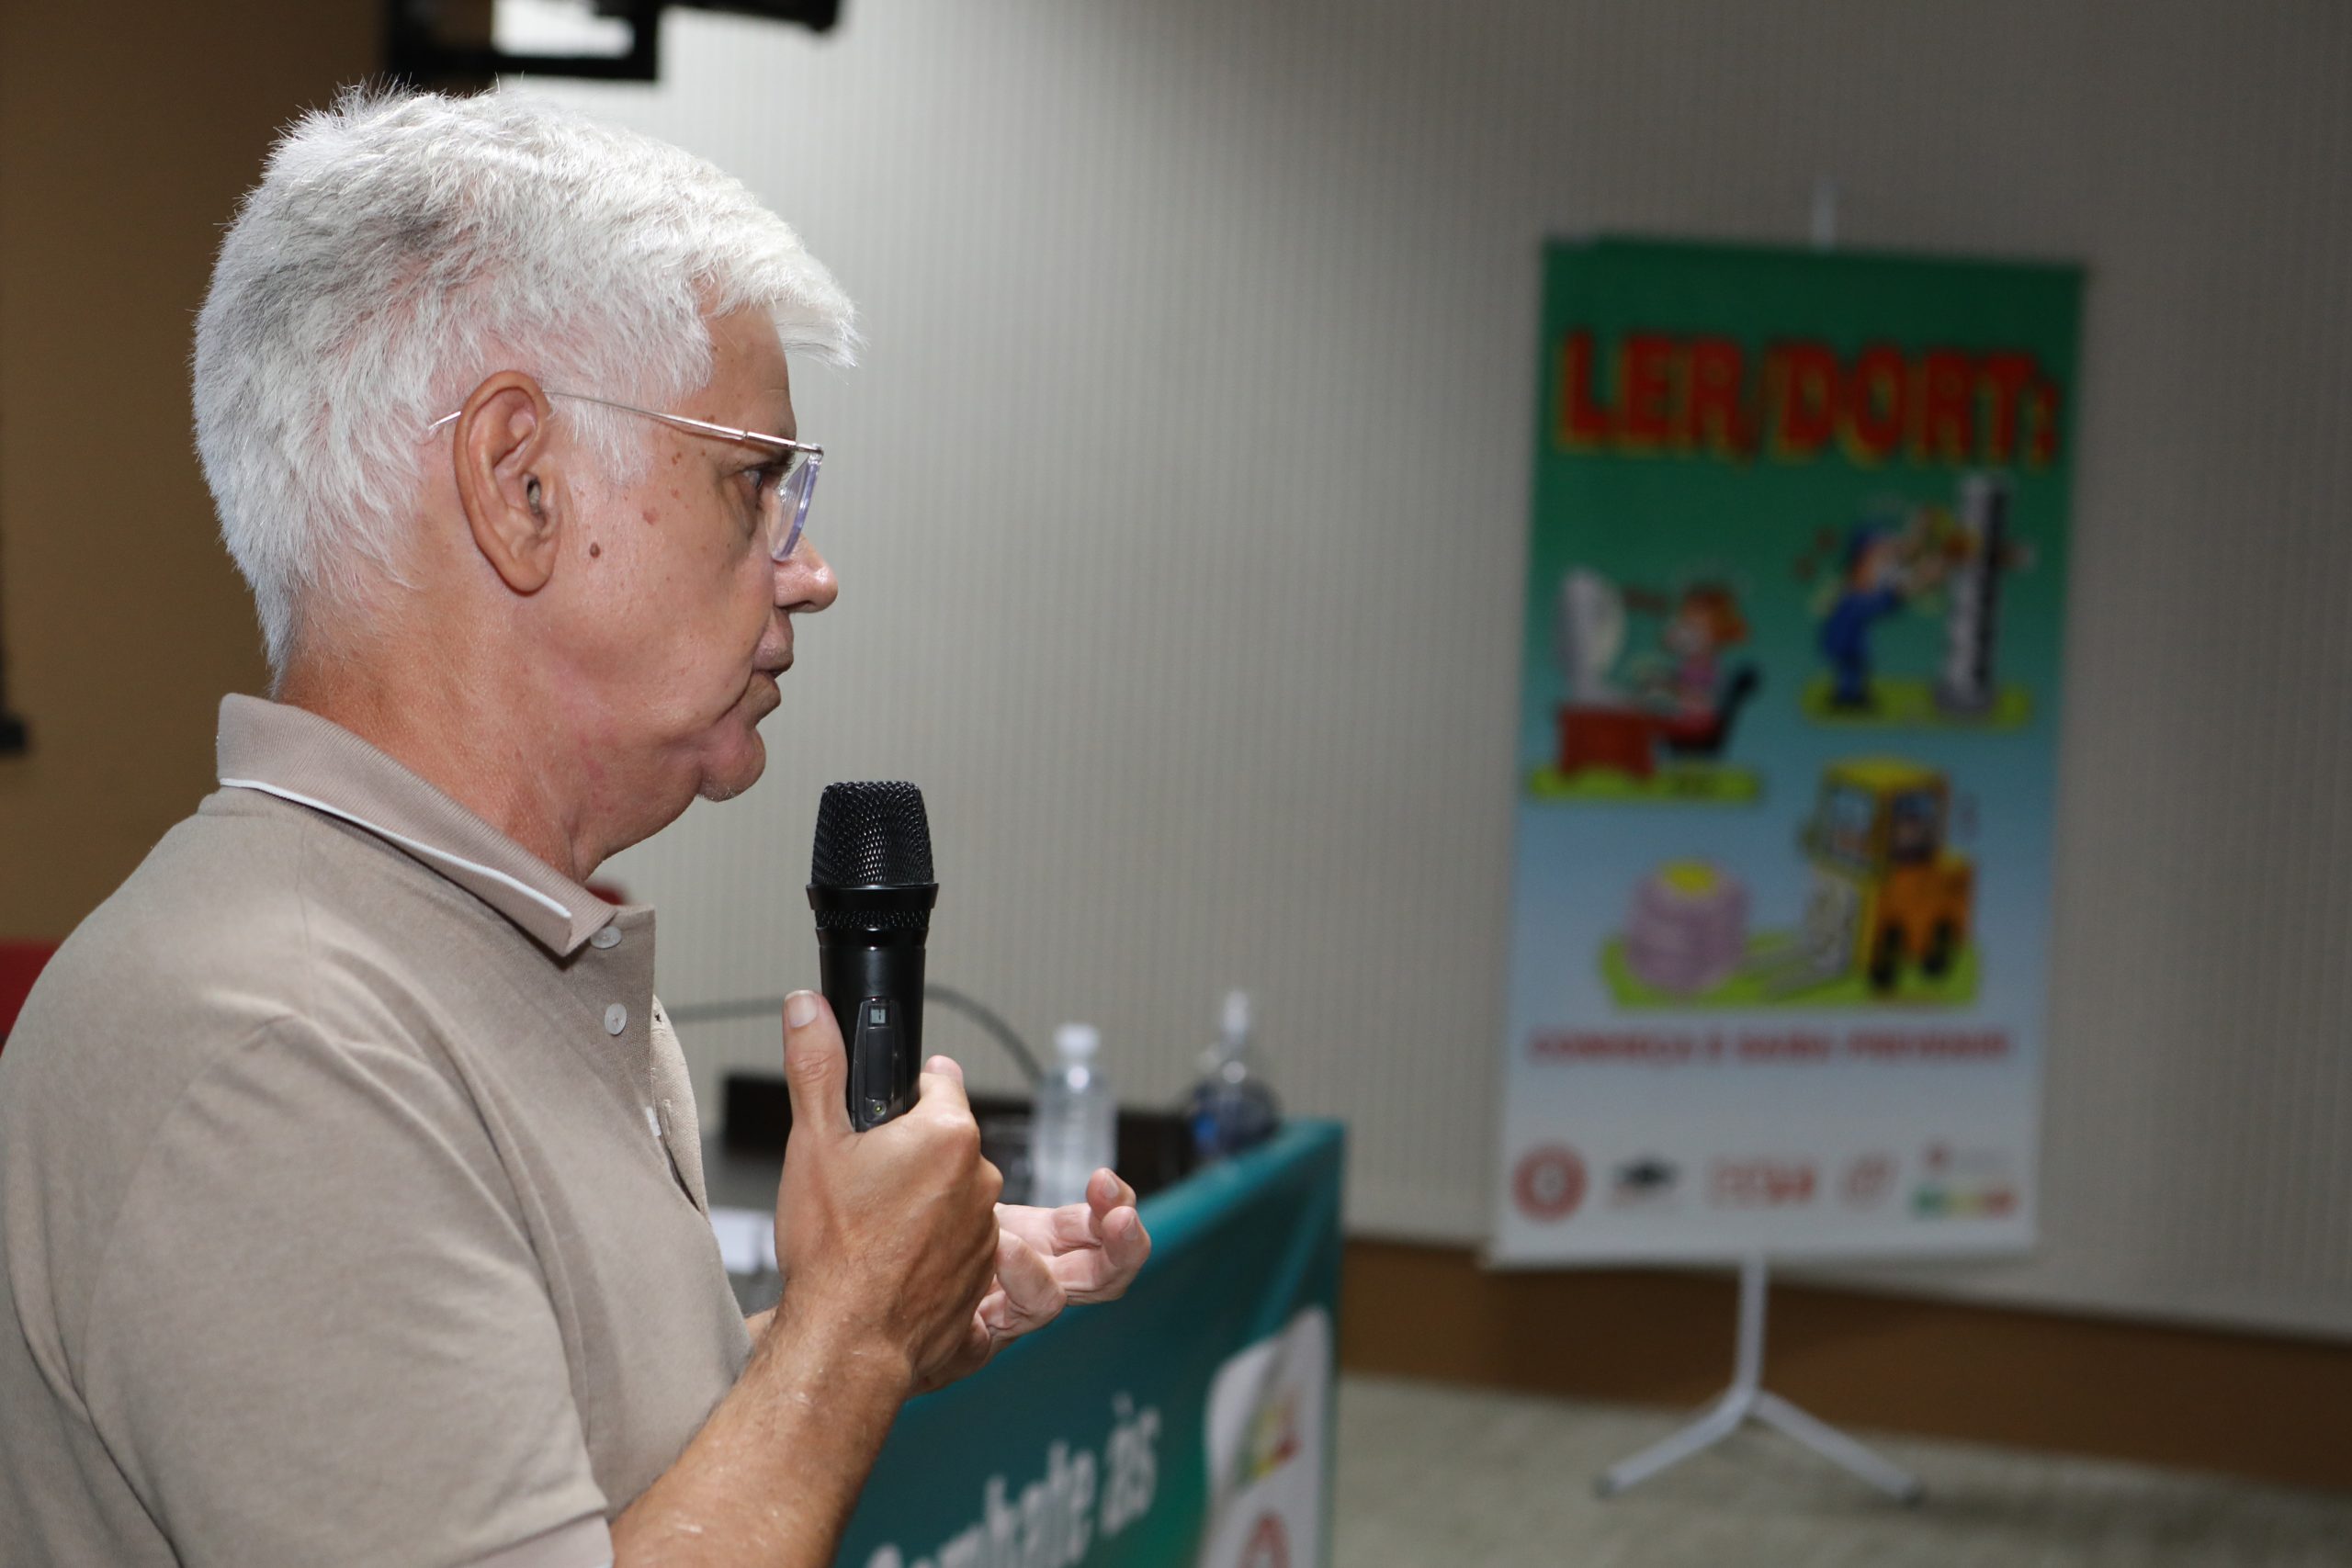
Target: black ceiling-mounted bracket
x: 447, y: 43
x: 434, y: 43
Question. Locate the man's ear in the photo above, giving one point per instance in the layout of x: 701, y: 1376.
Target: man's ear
x: 506, y: 469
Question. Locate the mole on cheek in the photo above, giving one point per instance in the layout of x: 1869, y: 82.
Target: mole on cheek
x: 594, y: 548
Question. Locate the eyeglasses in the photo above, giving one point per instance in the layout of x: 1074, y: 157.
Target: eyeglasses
x: 784, y: 486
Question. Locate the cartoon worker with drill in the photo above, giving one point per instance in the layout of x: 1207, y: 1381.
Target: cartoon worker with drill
x: 1884, y: 567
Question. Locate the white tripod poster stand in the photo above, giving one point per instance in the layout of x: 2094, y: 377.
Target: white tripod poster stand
x: 1748, y: 1400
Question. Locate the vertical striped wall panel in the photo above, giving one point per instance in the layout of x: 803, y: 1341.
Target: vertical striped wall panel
x: 1179, y: 504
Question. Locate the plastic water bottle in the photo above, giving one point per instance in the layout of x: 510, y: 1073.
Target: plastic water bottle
x: 1076, y: 1129
x: 1231, y: 1109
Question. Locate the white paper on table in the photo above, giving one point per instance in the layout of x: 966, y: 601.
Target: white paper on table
x: 746, y: 1239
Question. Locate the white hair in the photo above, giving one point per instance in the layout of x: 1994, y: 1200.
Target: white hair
x: 400, y: 248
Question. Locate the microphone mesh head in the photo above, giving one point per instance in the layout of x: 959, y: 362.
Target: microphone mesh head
x: 871, y: 834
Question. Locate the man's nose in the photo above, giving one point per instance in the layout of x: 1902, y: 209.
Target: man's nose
x: 805, y: 583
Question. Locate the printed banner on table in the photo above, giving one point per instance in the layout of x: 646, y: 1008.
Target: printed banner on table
x: 1186, y: 1425
x: 1787, y: 754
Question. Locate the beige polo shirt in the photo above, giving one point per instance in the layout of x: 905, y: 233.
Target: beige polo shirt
x: 350, y: 1202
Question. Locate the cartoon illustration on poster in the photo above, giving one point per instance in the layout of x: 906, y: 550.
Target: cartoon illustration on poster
x: 1790, y: 690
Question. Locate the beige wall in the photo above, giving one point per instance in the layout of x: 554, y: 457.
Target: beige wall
x: 127, y: 129
x: 1180, y: 504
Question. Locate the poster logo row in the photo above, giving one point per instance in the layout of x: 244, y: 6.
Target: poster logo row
x: 1552, y: 1183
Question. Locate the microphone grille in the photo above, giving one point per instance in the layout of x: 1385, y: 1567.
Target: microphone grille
x: 871, y: 834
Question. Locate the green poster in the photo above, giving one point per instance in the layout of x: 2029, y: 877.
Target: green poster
x: 1786, y: 757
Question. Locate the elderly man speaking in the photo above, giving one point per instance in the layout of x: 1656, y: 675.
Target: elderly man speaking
x: 350, y: 1203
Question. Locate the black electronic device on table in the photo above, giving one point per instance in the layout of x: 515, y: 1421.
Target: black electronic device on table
x: 755, y: 1122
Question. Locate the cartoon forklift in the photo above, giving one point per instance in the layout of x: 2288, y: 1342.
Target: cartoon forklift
x: 1886, y: 891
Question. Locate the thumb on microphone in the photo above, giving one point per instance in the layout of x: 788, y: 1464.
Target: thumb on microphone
x: 816, y: 1068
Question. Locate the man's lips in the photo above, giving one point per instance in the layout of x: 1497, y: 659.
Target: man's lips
x: 774, y: 661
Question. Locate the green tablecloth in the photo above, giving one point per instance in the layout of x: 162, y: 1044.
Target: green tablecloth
x: 1189, y: 1424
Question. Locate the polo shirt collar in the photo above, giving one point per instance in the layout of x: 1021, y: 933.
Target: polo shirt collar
x: 315, y: 762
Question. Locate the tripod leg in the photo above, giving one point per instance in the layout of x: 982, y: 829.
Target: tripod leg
x: 1721, y: 1421
x: 1838, y: 1449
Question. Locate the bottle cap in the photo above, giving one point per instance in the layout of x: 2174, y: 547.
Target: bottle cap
x: 1077, y: 1041
x: 1237, y: 1014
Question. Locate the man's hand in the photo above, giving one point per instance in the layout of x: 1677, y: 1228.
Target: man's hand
x: 887, y: 1239
x: 1094, y: 1249
x: 891, y: 1233
x: 1046, y: 1259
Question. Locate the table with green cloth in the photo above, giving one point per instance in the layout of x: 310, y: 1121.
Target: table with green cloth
x: 1189, y: 1423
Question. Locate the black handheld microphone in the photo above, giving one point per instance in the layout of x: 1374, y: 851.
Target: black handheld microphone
x: 869, y: 881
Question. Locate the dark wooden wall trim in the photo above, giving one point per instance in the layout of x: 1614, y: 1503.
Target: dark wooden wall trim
x: 2273, y: 1408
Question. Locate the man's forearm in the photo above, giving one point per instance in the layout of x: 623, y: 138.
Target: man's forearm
x: 771, y: 1479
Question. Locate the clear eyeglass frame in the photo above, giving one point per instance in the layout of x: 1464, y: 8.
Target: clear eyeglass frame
x: 783, y: 501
